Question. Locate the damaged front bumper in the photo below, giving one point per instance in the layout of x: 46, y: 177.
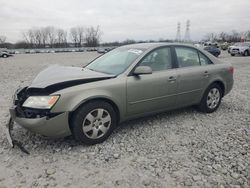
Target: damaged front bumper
x: 42, y: 122
x: 55, y: 126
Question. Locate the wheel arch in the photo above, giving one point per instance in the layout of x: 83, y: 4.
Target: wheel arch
x: 101, y: 98
x: 221, y: 84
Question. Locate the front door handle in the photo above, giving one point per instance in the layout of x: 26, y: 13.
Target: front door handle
x: 206, y: 74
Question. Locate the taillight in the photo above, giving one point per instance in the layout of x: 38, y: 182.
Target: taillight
x: 231, y: 70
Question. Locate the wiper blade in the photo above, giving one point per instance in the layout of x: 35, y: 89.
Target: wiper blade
x: 100, y: 71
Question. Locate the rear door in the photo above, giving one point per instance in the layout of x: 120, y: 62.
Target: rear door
x: 153, y: 92
x: 191, y: 76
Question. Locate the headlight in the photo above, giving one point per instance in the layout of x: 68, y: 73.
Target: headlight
x: 41, y: 102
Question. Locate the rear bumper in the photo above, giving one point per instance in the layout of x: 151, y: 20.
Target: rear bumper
x: 229, y: 87
x: 56, y: 126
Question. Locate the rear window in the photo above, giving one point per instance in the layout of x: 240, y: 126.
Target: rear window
x: 187, y: 57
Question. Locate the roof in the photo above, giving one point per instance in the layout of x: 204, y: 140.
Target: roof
x: 153, y: 45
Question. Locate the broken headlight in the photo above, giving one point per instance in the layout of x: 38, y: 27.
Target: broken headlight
x: 41, y: 102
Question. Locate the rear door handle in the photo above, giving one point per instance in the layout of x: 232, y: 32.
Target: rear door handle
x: 171, y: 79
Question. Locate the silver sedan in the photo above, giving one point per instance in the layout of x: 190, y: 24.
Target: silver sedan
x: 125, y: 83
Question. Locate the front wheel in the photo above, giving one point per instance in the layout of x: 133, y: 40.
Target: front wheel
x: 5, y: 56
x: 232, y: 54
x: 93, y: 122
x: 211, y: 99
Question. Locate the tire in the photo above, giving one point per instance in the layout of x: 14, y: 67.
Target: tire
x: 5, y: 56
x: 211, y: 99
x: 216, y: 54
x: 246, y: 53
x: 232, y: 54
x: 93, y: 122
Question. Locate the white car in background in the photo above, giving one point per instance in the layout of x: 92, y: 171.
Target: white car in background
x: 241, y: 48
x: 4, y: 54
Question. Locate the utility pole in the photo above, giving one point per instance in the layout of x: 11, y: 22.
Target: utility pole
x: 187, y: 33
x: 178, y: 34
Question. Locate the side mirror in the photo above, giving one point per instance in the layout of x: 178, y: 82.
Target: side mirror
x: 142, y: 70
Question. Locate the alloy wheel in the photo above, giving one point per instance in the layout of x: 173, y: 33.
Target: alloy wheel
x: 213, y: 98
x: 96, y: 123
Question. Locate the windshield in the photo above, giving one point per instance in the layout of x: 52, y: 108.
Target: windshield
x: 116, y: 61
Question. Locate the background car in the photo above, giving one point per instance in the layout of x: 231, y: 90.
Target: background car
x: 242, y: 48
x: 5, y: 54
x: 213, y: 50
x: 101, y: 50
x: 224, y: 46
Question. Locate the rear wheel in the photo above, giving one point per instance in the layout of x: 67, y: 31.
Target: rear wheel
x: 93, y: 122
x: 5, y: 55
x: 211, y: 99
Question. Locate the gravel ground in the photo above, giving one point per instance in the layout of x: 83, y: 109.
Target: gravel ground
x: 174, y: 149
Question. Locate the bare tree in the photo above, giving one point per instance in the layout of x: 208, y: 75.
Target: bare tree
x: 129, y: 41
x: 80, y: 33
x: 92, y: 36
x: 73, y: 34
x: 2, y: 39
x: 61, y: 37
x: 51, y: 35
x: 211, y: 37
x: 56, y: 37
x: 223, y: 36
x: 38, y: 37
x: 45, y: 35
x: 77, y: 35
x: 29, y: 37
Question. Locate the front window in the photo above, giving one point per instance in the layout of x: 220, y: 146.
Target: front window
x: 158, y: 60
x: 116, y: 61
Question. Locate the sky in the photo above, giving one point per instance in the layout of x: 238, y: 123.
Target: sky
x: 126, y: 19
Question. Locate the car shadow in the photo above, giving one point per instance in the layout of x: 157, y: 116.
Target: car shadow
x: 36, y: 143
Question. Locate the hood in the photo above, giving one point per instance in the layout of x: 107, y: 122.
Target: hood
x: 239, y: 47
x: 61, y: 75
x: 242, y: 47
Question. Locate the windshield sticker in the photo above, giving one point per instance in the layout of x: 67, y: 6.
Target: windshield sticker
x: 136, y: 51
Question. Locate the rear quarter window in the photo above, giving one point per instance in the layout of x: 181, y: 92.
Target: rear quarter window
x: 204, y: 60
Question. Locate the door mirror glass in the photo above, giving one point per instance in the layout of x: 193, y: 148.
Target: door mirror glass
x: 143, y: 70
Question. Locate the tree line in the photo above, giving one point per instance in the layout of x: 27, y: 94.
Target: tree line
x: 233, y: 36
x: 52, y: 37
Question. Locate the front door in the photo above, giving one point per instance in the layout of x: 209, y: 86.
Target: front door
x: 156, y: 91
